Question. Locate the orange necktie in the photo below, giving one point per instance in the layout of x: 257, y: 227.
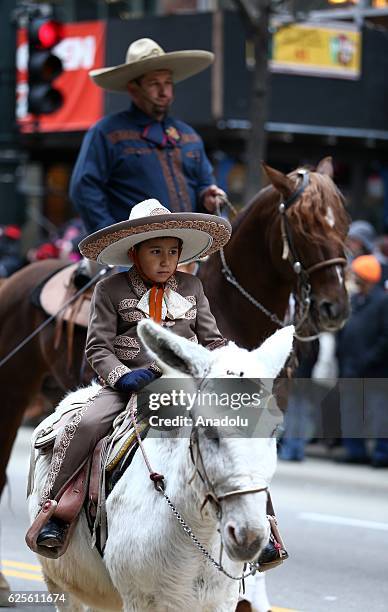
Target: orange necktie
x: 156, y: 300
x: 156, y: 294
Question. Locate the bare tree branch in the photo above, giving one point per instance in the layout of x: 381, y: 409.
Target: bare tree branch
x: 256, y: 16
x: 249, y: 12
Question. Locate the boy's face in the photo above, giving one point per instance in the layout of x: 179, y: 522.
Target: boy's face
x: 158, y: 258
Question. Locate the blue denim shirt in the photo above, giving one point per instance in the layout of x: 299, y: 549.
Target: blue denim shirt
x: 127, y: 157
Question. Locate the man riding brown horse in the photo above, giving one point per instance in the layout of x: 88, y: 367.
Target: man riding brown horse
x: 143, y: 152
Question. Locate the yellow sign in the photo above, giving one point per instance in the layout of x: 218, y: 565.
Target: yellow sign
x: 333, y: 51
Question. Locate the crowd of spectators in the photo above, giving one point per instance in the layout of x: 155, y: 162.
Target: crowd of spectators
x: 62, y: 244
x: 359, y: 352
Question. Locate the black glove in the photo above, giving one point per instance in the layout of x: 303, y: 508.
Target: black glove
x: 135, y: 381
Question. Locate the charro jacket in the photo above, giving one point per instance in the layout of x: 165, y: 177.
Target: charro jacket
x: 113, y: 347
x: 127, y: 156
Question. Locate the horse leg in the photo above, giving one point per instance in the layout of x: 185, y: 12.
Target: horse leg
x: 12, y: 411
x: 71, y: 603
x: 11, y: 417
x: 255, y: 598
x: 131, y: 606
x: 4, y: 592
x: 245, y: 606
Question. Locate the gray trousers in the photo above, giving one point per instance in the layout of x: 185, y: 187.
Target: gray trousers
x: 364, y: 410
x: 80, y: 436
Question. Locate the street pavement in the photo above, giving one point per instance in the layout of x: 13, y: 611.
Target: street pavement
x: 333, y: 519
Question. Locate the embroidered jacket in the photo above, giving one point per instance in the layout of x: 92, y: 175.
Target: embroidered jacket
x: 119, y: 302
x: 127, y: 157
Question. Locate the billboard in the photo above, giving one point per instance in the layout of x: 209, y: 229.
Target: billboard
x: 332, y: 50
x: 81, y: 50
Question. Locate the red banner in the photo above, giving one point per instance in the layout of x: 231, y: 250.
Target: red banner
x: 81, y: 50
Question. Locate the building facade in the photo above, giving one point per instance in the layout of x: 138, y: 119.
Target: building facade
x: 310, y: 114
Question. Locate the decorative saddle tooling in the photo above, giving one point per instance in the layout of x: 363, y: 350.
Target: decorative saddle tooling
x: 92, y: 483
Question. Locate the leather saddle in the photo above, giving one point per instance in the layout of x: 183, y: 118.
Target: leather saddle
x: 58, y: 289
x: 91, y: 485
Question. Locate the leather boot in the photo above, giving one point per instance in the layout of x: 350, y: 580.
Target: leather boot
x: 52, y: 535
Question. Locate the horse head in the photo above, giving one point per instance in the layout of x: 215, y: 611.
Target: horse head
x: 308, y: 243
x: 232, y: 472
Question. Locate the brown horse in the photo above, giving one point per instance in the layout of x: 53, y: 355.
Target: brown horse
x: 21, y: 377
x: 313, y: 232
x: 274, y: 253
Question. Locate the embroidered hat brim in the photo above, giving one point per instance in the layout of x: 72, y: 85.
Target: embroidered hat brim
x: 183, y: 64
x: 201, y: 234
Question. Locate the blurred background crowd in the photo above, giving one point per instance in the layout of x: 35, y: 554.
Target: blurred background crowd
x: 309, y: 104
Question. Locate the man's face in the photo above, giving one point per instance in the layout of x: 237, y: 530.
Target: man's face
x: 153, y: 93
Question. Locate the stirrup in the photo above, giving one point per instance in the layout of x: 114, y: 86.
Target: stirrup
x: 280, y: 553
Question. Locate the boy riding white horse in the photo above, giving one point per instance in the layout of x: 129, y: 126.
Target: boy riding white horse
x: 153, y: 241
x: 150, y: 563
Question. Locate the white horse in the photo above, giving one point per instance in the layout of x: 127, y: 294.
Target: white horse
x: 150, y: 563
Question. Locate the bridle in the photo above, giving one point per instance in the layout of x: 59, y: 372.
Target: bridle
x: 290, y: 254
x: 211, y: 495
x: 303, y: 295
x: 159, y: 484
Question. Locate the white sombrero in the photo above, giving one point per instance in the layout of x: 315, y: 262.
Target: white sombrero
x: 201, y: 234
x: 145, y: 55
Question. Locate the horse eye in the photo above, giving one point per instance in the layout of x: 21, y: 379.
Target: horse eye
x: 212, y: 434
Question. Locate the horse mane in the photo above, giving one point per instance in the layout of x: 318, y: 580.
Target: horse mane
x: 308, y: 215
x: 244, y: 212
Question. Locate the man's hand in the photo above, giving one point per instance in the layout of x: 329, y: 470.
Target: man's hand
x: 211, y: 196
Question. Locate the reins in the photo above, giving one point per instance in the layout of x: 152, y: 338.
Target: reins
x: 289, y: 253
x: 159, y: 484
x: 36, y: 331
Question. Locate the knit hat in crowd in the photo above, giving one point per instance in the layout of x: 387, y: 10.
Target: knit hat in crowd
x: 364, y: 232
x: 367, y: 267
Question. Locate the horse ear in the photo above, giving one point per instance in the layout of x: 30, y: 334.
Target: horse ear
x: 274, y: 352
x: 280, y: 181
x: 172, y: 351
x: 325, y: 166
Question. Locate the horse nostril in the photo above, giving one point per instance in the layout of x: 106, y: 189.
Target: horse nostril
x: 328, y: 309
x: 231, y: 530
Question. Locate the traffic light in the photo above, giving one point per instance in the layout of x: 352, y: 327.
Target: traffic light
x: 43, y: 65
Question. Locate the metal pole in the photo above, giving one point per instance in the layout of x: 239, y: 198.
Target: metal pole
x: 11, y: 202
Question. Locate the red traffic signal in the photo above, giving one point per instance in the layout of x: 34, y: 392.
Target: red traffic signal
x: 43, y: 66
x: 45, y: 33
